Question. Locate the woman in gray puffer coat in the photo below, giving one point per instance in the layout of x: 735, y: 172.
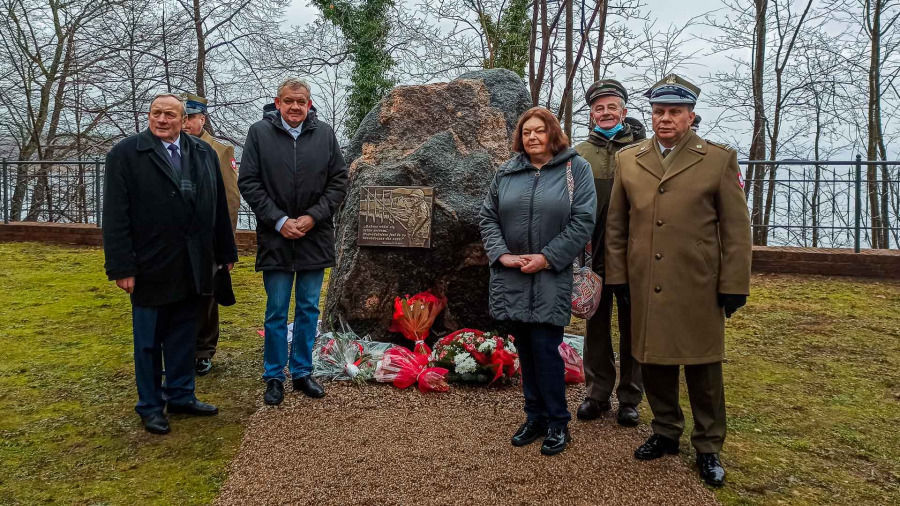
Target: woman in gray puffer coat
x: 537, y: 217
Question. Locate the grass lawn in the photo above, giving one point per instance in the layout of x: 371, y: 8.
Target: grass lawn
x: 812, y: 385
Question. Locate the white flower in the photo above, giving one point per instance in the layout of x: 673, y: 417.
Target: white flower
x: 510, y: 347
x: 488, y: 346
x: 465, y: 363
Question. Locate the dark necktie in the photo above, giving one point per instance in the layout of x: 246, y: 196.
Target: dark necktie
x: 176, y: 158
x: 665, y: 152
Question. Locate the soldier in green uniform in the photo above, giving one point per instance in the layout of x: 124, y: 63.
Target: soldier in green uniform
x: 208, y: 335
x: 612, y: 131
x: 678, y: 234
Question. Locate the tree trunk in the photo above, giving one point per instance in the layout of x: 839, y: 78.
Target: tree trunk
x: 885, y: 191
x: 874, y: 126
x: 37, y: 118
x: 755, y: 173
x: 38, y: 195
x: 601, y: 37
x: 571, y: 69
x: 165, y: 49
x: 816, y: 199
x: 532, y: 48
x: 773, y: 154
x: 201, y: 51
x: 542, y: 62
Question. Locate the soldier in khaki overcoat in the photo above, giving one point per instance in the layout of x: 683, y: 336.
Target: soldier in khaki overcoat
x: 208, y: 333
x: 678, y: 234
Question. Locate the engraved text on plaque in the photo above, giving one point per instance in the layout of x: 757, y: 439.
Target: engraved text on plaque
x: 398, y: 216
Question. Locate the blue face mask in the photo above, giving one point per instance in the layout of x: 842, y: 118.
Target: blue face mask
x: 609, y: 134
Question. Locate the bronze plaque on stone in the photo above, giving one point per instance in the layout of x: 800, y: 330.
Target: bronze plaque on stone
x: 398, y: 216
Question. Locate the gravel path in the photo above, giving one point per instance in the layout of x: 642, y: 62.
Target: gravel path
x: 379, y: 445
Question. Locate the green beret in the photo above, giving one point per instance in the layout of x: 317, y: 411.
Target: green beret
x: 606, y: 88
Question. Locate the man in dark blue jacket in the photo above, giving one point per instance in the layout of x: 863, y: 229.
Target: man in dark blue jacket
x: 294, y: 177
x: 166, y: 230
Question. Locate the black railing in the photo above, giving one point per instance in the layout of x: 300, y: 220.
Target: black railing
x: 825, y: 204
x: 64, y: 191
x: 812, y: 204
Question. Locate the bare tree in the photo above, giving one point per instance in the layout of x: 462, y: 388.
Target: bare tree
x: 787, y: 27
x: 38, y: 44
x: 879, y: 21
x: 776, y: 26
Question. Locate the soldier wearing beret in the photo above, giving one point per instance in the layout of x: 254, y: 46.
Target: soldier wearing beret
x: 678, y: 234
x: 208, y: 334
x: 612, y: 131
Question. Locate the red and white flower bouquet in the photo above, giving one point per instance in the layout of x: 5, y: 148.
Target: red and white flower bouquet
x: 474, y: 356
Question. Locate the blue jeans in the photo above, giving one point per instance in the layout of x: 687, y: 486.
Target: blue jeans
x: 306, y: 315
x: 543, y: 373
x: 169, y: 332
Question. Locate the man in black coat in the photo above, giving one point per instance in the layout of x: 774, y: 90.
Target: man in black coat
x: 166, y: 230
x: 294, y: 177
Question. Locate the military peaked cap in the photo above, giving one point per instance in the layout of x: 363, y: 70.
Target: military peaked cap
x: 194, y: 104
x: 606, y: 88
x: 673, y: 89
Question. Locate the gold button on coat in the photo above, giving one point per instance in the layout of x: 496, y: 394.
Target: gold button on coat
x: 705, y: 242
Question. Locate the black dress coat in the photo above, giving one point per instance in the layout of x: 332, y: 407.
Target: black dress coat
x: 282, y: 176
x: 170, y: 241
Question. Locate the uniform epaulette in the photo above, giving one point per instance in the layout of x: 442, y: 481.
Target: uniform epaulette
x: 720, y: 145
x: 636, y: 144
x: 223, y: 142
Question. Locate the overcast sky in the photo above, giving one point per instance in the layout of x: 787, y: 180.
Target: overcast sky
x: 665, y: 12
x: 300, y: 12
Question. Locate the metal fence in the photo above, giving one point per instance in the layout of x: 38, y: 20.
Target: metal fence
x: 813, y: 204
x: 64, y: 191
x: 825, y: 204
x: 67, y: 191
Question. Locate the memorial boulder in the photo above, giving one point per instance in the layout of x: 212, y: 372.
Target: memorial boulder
x: 420, y: 165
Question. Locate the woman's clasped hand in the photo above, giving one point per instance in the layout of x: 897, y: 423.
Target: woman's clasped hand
x: 529, y: 264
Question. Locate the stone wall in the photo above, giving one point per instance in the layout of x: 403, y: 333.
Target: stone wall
x: 827, y: 262
x: 85, y: 235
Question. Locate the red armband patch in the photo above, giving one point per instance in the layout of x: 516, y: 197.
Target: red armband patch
x: 740, y: 179
x: 234, y: 167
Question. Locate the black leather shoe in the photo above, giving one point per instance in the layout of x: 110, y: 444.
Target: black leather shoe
x: 655, y: 447
x: 156, y: 423
x: 202, y: 366
x: 556, y: 440
x: 711, y: 469
x: 528, y: 433
x: 591, y: 409
x: 274, y: 392
x: 193, y: 408
x: 309, y: 387
x: 628, y: 416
